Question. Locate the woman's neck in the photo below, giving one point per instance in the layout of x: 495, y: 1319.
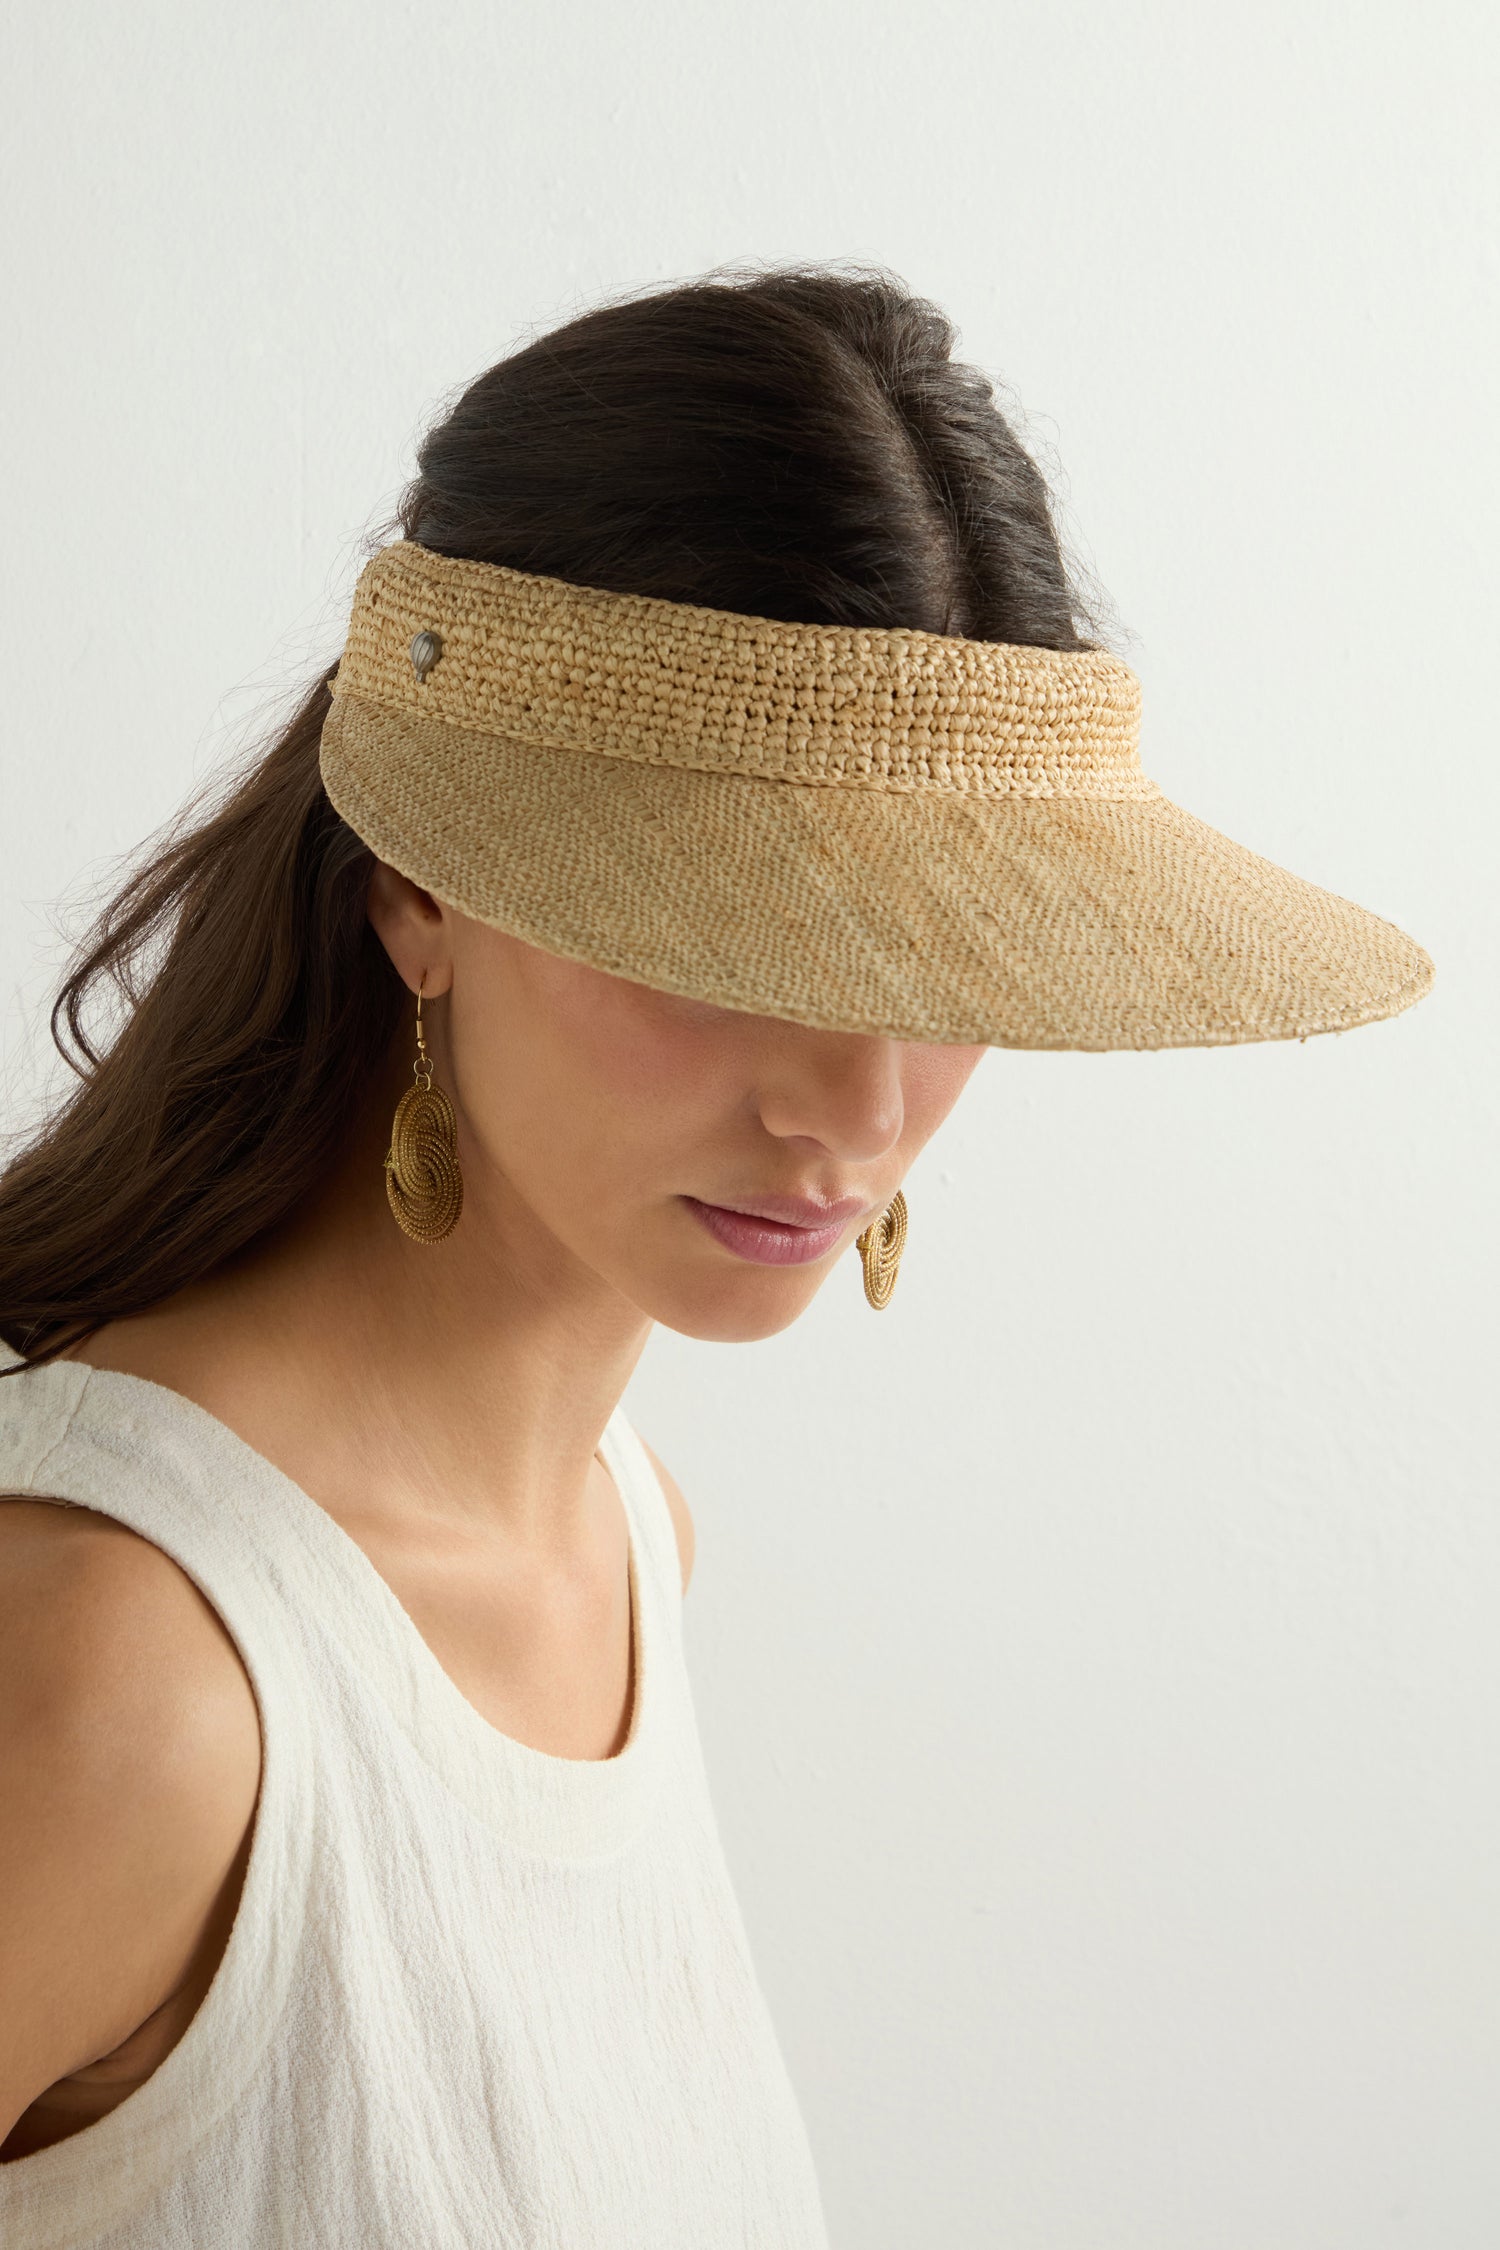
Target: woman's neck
x: 468, y: 1379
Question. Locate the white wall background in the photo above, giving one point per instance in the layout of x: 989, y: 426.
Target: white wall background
x: 1096, y: 1653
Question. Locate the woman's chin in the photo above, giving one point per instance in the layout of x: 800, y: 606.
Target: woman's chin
x: 734, y: 1308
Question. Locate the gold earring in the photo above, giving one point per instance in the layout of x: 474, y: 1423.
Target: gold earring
x: 422, y: 1180
x: 881, y: 1246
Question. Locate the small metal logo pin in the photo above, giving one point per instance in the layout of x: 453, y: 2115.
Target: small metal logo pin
x: 425, y: 651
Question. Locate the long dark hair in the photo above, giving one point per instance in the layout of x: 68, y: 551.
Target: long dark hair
x: 792, y: 442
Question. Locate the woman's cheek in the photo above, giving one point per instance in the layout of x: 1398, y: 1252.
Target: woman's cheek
x: 932, y: 1082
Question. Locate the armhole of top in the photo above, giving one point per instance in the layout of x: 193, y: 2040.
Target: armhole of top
x: 115, y: 2166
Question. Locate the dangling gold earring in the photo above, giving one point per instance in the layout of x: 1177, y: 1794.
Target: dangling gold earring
x: 422, y: 1180
x: 881, y: 1246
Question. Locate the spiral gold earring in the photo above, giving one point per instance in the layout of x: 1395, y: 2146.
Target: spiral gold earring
x: 881, y: 1246
x: 422, y: 1180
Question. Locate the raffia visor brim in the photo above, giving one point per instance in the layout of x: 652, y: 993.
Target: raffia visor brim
x: 961, y: 919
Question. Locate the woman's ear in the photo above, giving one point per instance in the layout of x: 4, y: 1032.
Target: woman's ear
x: 414, y: 929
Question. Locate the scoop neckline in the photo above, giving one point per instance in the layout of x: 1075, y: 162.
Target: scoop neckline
x: 533, y: 1798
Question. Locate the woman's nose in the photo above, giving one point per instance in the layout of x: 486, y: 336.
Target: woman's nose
x: 839, y: 1089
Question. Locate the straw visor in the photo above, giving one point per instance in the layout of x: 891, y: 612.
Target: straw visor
x: 861, y: 829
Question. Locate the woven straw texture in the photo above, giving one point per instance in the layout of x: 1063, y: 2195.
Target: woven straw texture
x: 890, y: 832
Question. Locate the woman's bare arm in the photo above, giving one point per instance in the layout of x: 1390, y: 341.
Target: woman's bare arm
x: 129, y: 1768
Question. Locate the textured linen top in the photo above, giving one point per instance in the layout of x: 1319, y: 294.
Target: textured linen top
x: 475, y: 1994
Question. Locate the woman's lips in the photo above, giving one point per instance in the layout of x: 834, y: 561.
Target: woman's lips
x: 767, y: 1242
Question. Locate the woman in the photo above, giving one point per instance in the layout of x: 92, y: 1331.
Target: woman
x: 714, y: 768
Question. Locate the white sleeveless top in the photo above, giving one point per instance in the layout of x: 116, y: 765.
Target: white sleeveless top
x: 476, y: 1996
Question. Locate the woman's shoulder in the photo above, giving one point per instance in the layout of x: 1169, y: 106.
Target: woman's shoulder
x: 682, y: 1522
x: 109, y: 1649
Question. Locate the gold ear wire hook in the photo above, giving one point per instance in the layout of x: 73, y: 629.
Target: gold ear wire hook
x: 422, y: 1067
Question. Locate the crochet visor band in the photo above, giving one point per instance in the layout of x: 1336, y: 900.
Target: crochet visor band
x: 861, y: 829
